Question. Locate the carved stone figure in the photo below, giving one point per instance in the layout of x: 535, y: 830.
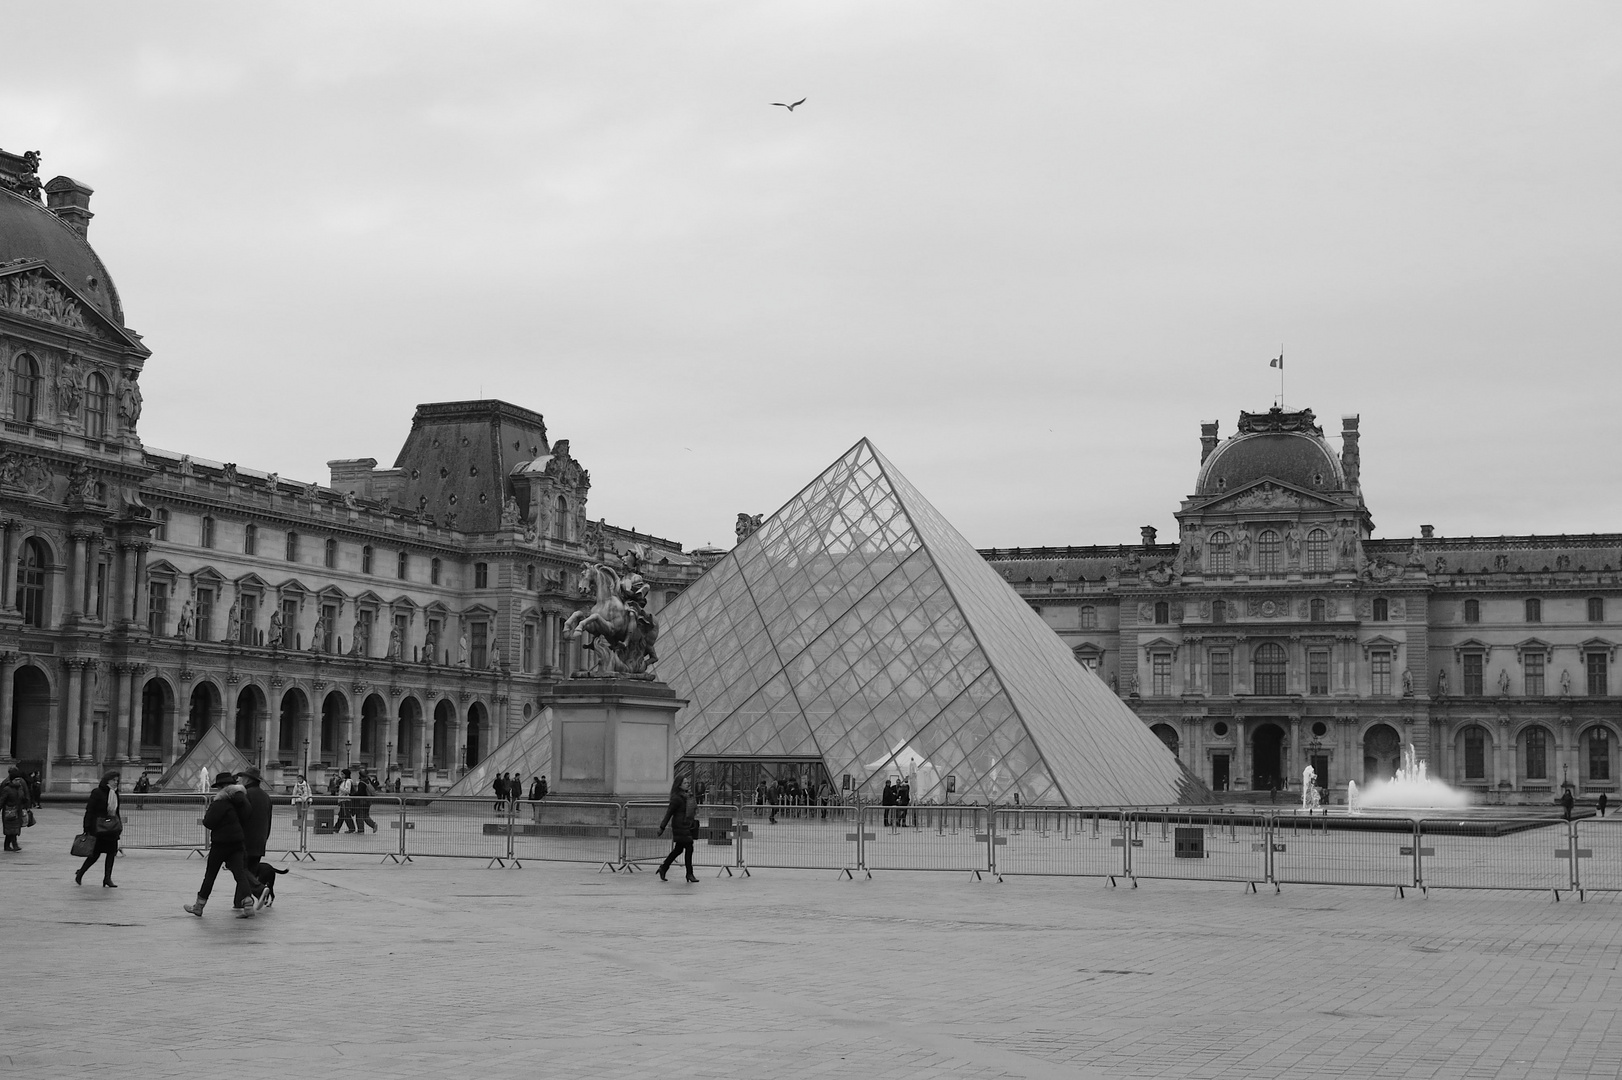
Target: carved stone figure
x: 129, y: 401
x: 1441, y: 683
x: 185, y: 467
x: 450, y: 519
x: 1407, y: 683
x: 746, y: 526
x: 509, y: 513
x: 1346, y: 544
x: 319, y: 633
x: 183, y: 621
x: 233, y: 623
x: 351, y: 501
x: 1565, y: 683
x: 27, y: 182
x: 1441, y: 565
x: 312, y: 491
x: 69, y: 384
x: 276, y: 629
x: 396, y: 644
x: 430, y: 645
x: 495, y: 658
x: 359, y: 646
x: 1241, y: 548
x: 461, y: 649
x: 1503, y: 680
x: 618, y: 629
x: 1292, y: 543
x: 1416, y: 554
x: 39, y: 296
x: 1134, y: 684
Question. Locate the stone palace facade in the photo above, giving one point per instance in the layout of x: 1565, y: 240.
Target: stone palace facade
x: 1277, y: 633
x: 406, y: 619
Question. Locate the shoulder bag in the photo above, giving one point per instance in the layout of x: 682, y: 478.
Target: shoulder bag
x: 107, y: 824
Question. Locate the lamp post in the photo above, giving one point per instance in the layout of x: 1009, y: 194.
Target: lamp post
x: 348, y: 761
x: 261, y: 751
x: 306, y: 759
x: 427, y: 762
x: 388, y: 761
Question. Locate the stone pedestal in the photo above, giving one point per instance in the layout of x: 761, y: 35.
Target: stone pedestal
x: 613, y: 737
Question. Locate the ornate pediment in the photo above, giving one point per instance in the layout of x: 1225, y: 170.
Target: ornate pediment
x: 32, y: 291
x: 1269, y: 495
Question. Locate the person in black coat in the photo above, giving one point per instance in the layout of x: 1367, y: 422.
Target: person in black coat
x: 227, y: 840
x: 887, y: 800
x: 102, y: 820
x: 14, y: 804
x: 255, y: 827
x: 682, y: 817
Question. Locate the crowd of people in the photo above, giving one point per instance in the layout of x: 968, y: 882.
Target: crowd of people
x: 509, y: 788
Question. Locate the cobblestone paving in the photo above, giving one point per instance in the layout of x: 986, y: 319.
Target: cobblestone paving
x: 445, y: 968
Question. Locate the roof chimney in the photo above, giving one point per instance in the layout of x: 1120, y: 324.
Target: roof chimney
x: 70, y: 200
x: 1349, y: 458
x: 1208, y: 440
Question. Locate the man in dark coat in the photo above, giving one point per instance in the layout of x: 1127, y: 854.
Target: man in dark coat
x: 903, y: 799
x: 774, y: 793
x: 1566, y: 803
x: 682, y: 816
x: 361, y: 804
x: 887, y: 800
x: 255, y: 828
x: 223, y: 819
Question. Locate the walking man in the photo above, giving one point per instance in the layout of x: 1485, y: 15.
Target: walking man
x: 362, y: 801
x: 682, y: 816
x: 224, y: 818
x: 255, y: 833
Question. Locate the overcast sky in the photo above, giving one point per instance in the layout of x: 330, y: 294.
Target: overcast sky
x: 1025, y: 247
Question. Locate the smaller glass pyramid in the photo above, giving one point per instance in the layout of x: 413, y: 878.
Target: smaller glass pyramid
x: 527, y: 751
x: 857, y: 626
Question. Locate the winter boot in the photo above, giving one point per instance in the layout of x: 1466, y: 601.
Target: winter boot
x: 246, y: 911
x: 197, y: 908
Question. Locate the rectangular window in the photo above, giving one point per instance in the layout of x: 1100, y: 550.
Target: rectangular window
x: 529, y: 646
x: 206, y: 534
x: 250, y: 539
x: 1219, y: 611
x: 1318, y: 671
x: 1382, y: 610
x: 205, y: 615
x: 329, y: 622
x: 1380, y: 674
x: 1599, y: 754
x: 101, y: 590
x: 157, y: 608
x: 1598, y: 683
x: 1221, y: 673
x: 478, y: 635
x: 1537, y: 754
x: 481, y: 575
x: 1532, y: 668
x: 1089, y: 618
x: 1596, y: 609
x: 292, y: 546
x: 1534, y: 610
x: 529, y: 577
x: 366, y: 559
x: 1473, y: 663
x: 248, y: 611
x: 1161, y: 666
x: 162, y: 531
x: 289, y: 623
x: 401, y: 563
x: 1475, y: 754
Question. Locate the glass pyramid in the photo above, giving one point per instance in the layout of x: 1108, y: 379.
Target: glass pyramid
x: 857, y: 626
x: 527, y: 751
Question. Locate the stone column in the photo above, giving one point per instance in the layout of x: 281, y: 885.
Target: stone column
x: 138, y: 605
x: 126, y: 583
x: 8, y: 662
x: 120, y: 747
x: 74, y: 581
x: 87, y: 715
x: 1295, y: 764
x: 92, y: 553
x: 270, y: 727
x: 68, y: 728
x: 1503, y: 753
x: 458, y: 757
x: 1239, y: 771
x: 8, y: 584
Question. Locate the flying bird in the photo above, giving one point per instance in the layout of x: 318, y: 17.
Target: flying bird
x: 789, y: 107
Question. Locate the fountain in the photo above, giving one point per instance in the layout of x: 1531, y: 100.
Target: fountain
x: 1309, y: 789
x: 1410, y: 790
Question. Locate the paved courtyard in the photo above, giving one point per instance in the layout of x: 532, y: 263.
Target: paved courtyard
x: 447, y: 968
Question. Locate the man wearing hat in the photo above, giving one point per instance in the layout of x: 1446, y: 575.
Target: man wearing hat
x: 255, y: 829
x: 224, y: 818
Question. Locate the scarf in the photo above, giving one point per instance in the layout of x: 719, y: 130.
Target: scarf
x: 112, y: 802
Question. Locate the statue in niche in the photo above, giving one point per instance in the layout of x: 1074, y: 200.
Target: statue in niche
x: 1441, y: 683
x: 1407, y: 683
x: 69, y: 385
x: 183, y: 622
x: 233, y: 623
x: 359, y: 646
x: 509, y: 513
x: 129, y: 401
x: 495, y: 658
x: 319, y: 633
x: 276, y: 629
x: 1241, y: 548
x: 1565, y: 682
x: 1346, y: 544
x: 1292, y: 543
x: 430, y: 644
x: 396, y: 644
x: 1503, y: 680
x: 1133, y: 685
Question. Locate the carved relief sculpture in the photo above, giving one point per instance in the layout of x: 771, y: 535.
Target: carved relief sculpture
x: 129, y: 401
x: 69, y: 384
x: 509, y: 513
x: 37, y: 295
x: 1241, y: 548
x: 746, y: 526
x: 184, y: 621
x: 1292, y: 544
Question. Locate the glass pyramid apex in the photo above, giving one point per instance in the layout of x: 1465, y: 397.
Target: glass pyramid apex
x: 856, y: 625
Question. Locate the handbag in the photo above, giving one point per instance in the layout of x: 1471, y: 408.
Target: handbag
x: 29, y: 824
x: 84, y: 846
x: 107, y: 824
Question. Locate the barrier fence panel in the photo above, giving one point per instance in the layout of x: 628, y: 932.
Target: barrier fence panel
x: 1168, y: 844
x: 1065, y: 842
x: 555, y: 830
x: 351, y: 826
x: 1597, y: 847
x: 458, y: 827
x: 1495, y: 853
x: 1364, y: 850
x: 717, y: 844
x: 925, y: 838
x: 167, y: 821
x: 824, y: 838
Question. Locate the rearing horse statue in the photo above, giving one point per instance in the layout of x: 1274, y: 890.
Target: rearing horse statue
x: 621, y: 635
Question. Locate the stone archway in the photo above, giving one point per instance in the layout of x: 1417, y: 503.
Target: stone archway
x: 294, y: 729
x: 408, y: 734
x: 249, y: 720
x: 1168, y: 735
x: 478, y: 733
x: 1382, y: 753
x: 157, y: 719
x: 1267, y: 758
x: 30, y: 719
x: 444, y: 733
x: 204, y: 711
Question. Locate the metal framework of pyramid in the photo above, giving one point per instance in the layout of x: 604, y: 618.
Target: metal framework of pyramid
x: 858, y: 626
x: 212, y: 755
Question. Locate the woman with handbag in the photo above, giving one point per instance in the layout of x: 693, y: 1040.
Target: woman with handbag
x: 102, y: 821
x: 14, y: 802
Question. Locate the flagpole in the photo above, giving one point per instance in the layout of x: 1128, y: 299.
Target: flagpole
x: 1281, y: 375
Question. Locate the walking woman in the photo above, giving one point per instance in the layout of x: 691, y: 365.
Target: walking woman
x: 14, y: 803
x: 102, y: 821
x: 682, y: 817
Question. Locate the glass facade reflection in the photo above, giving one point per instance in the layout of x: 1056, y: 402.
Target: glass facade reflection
x: 857, y: 628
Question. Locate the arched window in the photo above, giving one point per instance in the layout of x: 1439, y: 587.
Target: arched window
x: 292, y: 546
x: 1269, y: 669
x: 32, y: 562
x: 205, y: 534
x: 1221, y: 553
x: 402, y: 563
x: 560, y: 519
x: 366, y: 559
x: 329, y: 557
x: 1089, y: 617
x: 250, y: 539
x: 1537, y: 753
x: 1472, y: 611
x: 97, y: 400
x: 1317, y: 611
x: 24, y: 388
x: 433, y: 572
x: 1267, y: 553
x: 1317, y: 552
x: 1219, y: 611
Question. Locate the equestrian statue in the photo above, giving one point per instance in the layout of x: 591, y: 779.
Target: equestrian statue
x: 618, y: 629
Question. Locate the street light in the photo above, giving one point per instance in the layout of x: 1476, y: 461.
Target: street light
x: 348, y: 761
x: 427, y: 762
x: 388, y: 760
x: 306, y: 759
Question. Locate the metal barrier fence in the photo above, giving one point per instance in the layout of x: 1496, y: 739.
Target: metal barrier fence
x: 1278, y: 847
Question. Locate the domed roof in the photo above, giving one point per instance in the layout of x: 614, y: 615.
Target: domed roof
x: 1287, y: 447
x: 29, y: 231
